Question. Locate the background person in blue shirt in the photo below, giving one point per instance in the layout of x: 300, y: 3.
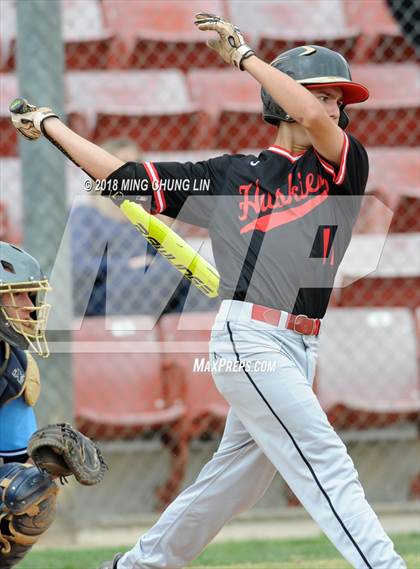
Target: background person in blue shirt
x: 111, y: 261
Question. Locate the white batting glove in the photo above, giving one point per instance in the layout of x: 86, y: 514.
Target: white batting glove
x: 231, y: 43
x: 28, y: 119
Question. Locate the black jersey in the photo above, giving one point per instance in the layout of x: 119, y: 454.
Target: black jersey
x: 279, y: 223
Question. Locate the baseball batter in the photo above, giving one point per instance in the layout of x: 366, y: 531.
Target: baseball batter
x: 280, y: 223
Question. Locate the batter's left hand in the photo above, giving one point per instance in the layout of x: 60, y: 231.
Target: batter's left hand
x: 231, y: 44
x: 28, y: 119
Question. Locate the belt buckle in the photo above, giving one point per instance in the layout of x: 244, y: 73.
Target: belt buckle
x: 296, y: 323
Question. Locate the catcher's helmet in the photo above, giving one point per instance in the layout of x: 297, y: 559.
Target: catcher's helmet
x: 315, y: 66
x: 21, y: 273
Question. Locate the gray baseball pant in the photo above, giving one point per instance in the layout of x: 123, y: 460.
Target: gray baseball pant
x: 275, y: 424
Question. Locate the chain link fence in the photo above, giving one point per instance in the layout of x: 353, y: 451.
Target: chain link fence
x: 147, y: 88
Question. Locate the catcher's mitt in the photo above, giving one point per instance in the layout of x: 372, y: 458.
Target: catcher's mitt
x: 61, y: 451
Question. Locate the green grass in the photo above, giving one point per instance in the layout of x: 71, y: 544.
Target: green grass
x: 315, y: 553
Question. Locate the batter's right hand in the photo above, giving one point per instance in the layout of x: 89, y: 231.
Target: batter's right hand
x: 28, y: 119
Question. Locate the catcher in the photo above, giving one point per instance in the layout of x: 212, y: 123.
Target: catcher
x: 31, y: 459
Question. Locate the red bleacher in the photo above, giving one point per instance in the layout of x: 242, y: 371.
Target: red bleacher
x: 87, y: 42
x: 142, y: 404
x: 357, y: 386
x: 8, y: 31
x: 151, y: 107
x: 206, y: 407
x: 121, y: 395
x: 407, y: 215
x: 390, y: 117
x: 393, y: 267
x: 186, y: 341
x: 4, y: 223
x: 394, y: 171
x: 8, y: 92
x: 283, y: 25
x: 164, y: 110
x: 385, y: 119
x: 161, y: 392
x: 417, y: 315
x: 11, y: 196
x: 161, y: 33
x: 235, y: 109
x: 159, y: 111
x: 382, y: 291
x: 381, y: 38
x: 393, y: 180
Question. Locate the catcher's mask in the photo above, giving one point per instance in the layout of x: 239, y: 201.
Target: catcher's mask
x: 22, y: 326
x: 314, y: 66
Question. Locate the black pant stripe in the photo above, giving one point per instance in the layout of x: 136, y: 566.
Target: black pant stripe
x: 314, y: 476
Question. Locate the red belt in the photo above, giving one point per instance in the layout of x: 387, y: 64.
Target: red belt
x: 298, y: 323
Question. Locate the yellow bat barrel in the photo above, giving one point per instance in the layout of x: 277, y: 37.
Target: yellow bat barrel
x: 171, y: 246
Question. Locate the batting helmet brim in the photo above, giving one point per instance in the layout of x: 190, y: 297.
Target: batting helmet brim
x: 352, y: 92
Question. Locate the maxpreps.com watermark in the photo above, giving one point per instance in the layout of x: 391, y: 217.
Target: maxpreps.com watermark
x: 220, y: 364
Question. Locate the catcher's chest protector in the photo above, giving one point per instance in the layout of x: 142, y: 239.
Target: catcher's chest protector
x: 19, y: 375
x: 27, y: 509
x: 12, y: 373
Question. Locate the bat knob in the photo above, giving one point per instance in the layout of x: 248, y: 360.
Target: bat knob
x: 20, y: 106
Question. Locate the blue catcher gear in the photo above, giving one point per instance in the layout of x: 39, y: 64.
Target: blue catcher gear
x: 19, y: 375
x: 27, y: 509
